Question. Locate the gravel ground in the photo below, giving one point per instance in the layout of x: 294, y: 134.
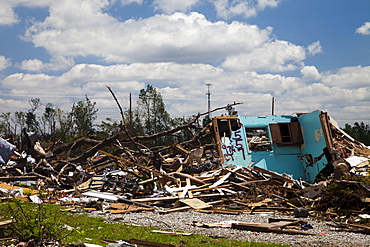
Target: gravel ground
x: 182, y: 220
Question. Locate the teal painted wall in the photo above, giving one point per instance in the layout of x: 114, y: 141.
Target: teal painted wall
x: 314, y: 142
x: 281, y: 159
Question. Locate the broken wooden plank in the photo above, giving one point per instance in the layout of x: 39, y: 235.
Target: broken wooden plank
x: 185, y: 208
x: 5, y: 223
x: 248, y: 182
x: 196, y: 203
x: 129, y: 210
x: 113, y: 197
x: 273, y: 174
x: 264, y: 227
x: 168, y: 198
x: 179, y: 149
x: 222, y: 211
x: 193, y: 179
x: 258, y: 204
x: 122, y: 208
x: 188, y: 183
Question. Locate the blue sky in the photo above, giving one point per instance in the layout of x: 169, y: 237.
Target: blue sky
x: 307, y: 54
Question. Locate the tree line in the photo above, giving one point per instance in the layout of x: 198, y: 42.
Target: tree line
x: 359, y: 131
x: 148, y: 117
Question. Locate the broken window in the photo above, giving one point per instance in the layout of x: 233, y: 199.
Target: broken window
x: 227, y: 125
x: 258, y: 139
x: 286, y: 133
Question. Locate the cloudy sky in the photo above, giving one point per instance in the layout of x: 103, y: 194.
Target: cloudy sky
x: 307, y: 54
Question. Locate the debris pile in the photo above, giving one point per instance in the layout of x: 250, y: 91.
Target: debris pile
x: 120, y: 175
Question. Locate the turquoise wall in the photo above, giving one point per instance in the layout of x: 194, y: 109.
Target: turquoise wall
x: 281, y: 159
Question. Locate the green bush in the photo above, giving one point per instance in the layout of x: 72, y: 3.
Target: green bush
x: 36, y: 222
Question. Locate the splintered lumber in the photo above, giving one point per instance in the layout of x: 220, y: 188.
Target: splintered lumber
x: 5, y: 223
x: 360, y: 226
x: 179, y: 149
x: 188, y: 184
x: 269, y: 227
x: 154, y: 199
x: 196, y: 203
x: 112, y: 197
x: 193, y: 179
x: 155, y: 172
x: 258, y: 204
x: 168, y: 198
x: 136, y: 203
x: 273, y: 174
x: 273, y: 208
x: 122, y: 208
x: 148, y: 180
x: 221, y: 180
x: 242, y: 185
x: 222, y: 211
x: 186, y: 207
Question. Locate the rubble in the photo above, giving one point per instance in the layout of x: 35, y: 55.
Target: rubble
x: 274, y: 225
x: 120, y: 175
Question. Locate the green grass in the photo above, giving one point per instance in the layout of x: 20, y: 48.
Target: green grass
x: 94, y: 230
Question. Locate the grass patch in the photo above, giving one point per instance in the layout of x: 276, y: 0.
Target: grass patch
x: 94, y: 230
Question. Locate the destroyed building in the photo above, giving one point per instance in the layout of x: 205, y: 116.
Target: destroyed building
x: 302, y: 146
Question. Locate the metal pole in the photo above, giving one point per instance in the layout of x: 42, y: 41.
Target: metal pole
x: 209, y: 100
x: 130, y: 114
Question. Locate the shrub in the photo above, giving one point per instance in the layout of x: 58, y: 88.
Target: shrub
x: 36, y: 222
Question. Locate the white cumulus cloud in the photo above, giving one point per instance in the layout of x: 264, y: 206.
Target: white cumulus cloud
x: 246, y: 8
x: 7, y: 15
x: 314, y: 48
x: 126, y: 2
x: 262, y: 4
x: 310, y: 73
x: 4, y: 62
x: 364, y: 29
x: 348, y: 77
x: 162, y: 38
x: 56, y: 63
x: 276, y: 56
x: 171, y: 6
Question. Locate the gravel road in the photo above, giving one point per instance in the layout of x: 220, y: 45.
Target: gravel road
x: 182, y: 220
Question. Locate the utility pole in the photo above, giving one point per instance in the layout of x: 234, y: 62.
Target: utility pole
x: 209, y: 100
x: 130, y: 114
x: 273, y: 106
